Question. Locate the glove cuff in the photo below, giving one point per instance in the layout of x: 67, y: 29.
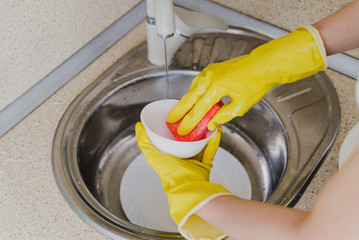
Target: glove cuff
x: 318, y: 40
x: 195, y: 228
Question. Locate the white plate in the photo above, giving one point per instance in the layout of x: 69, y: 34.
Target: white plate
x: 145, y: 203
x: 351, y: 141
x: 350, y: 144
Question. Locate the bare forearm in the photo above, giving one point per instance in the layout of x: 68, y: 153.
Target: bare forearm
x: 244, y: 219
x: 335, y: 214
x: 339, y: 31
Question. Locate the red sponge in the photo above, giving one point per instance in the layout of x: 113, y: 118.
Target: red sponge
x: 199, y: 132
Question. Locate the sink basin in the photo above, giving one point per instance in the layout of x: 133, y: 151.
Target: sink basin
x: 281, y: 142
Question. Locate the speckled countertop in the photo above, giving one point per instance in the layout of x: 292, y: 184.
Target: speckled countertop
x: 31, y: 206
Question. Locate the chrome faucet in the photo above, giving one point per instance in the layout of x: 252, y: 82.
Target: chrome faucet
x: 175, y: 24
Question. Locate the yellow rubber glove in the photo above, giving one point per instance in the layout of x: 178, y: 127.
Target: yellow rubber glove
x: 186, y: 183
x: 247, y: 79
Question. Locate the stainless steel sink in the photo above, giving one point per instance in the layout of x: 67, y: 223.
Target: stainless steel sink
x: 281, y: 141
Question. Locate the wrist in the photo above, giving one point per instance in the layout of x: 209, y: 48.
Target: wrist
x: 318, y: 40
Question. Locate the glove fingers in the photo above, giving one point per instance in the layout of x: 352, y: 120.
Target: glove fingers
x: 211, y: 148
x: 143, y: 141
x: 226, y: 113
x: 186, y: 102
x: 203, y: 105
x: 154, y: 157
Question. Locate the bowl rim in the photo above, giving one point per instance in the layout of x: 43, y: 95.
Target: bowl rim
x: 167, y: 139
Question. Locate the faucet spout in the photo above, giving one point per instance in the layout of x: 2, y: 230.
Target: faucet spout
x: 165, y: 20
x: 174, y: 24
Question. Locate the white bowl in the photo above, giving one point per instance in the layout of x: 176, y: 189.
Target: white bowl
x: 153, y: 117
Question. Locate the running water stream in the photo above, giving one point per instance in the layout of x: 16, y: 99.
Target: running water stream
x: 166, y: 67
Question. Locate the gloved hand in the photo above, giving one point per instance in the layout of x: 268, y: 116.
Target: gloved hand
x: 247, y: 79
x: 186, y: 183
